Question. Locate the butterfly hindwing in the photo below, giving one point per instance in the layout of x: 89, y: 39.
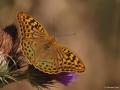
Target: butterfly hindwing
x: 47, y: 58
x: 47, y: 66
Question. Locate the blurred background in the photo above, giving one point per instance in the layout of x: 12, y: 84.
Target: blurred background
x: 91, y: 28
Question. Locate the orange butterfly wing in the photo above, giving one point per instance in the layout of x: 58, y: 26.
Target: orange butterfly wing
x: 43, y: 51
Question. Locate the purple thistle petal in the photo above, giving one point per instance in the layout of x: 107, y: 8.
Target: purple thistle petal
x: 66, y: 77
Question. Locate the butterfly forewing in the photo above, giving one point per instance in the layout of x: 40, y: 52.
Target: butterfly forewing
x: 43, y: 51
x: 30, y: 27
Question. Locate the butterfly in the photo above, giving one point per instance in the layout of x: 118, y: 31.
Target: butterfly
x: 43, y: 51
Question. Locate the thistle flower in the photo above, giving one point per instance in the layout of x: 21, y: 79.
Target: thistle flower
x: 5, y: 42
x: 12, y: 62
x: 66, y: 77
x: 5, y: 47
x: 40, y: 79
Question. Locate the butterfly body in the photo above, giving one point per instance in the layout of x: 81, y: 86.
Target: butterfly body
x: 43, y: 51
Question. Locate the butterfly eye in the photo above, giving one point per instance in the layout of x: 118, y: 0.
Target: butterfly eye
x: 46, y: 46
